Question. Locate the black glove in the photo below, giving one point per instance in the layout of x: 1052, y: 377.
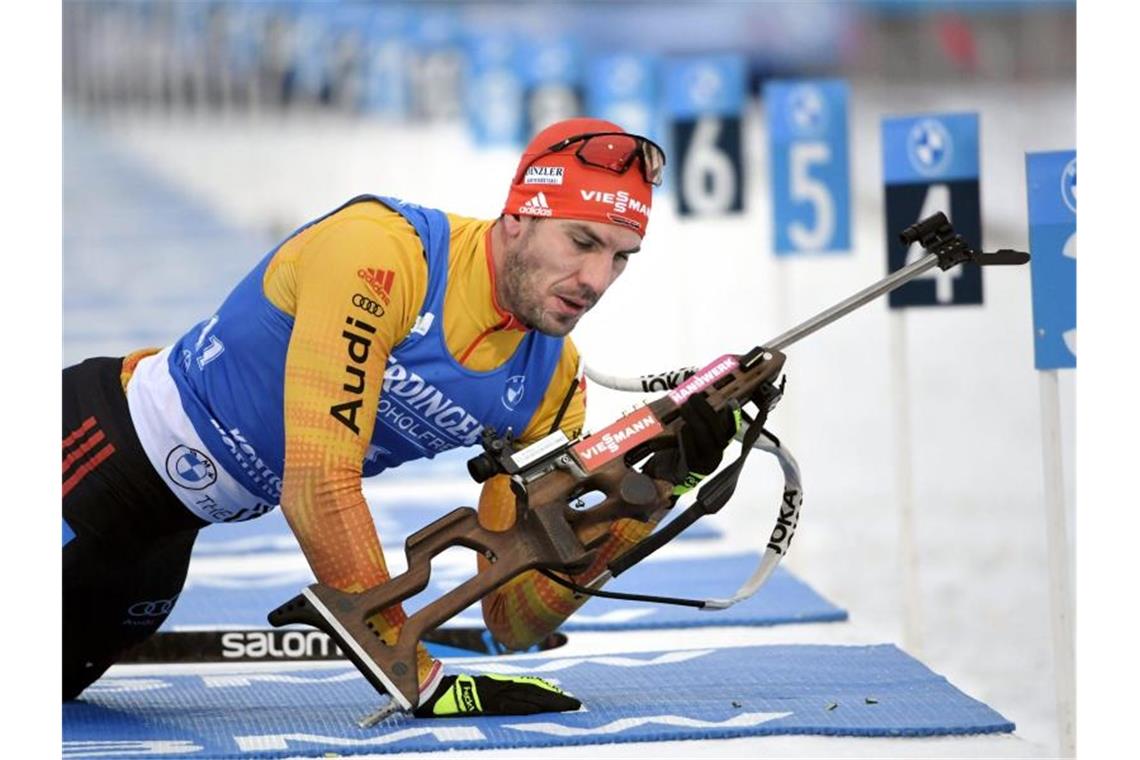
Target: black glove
x: 464, y: 695
x: 703, y: 438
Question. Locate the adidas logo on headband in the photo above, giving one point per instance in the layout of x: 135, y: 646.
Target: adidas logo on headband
x: 536, y: 206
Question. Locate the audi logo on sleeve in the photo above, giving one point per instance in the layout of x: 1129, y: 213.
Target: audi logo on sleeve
x: 364, y: 303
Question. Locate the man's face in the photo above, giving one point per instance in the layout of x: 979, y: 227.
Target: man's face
x: 555, y: 270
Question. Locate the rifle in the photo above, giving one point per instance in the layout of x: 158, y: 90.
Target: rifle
x: 551, y: 534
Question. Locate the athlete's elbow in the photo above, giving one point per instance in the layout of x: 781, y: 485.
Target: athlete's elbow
x: 498, y: 620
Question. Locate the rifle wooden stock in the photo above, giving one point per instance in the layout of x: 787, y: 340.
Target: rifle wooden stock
x: 548, y: 531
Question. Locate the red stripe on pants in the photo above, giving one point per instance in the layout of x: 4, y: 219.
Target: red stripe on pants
x: 87, y: 467
x: 79, y: 432
x: 89, y: 444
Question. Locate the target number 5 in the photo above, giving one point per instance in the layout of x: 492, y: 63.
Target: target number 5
x: 806, y: 188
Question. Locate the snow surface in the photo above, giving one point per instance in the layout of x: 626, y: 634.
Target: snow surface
x: 705, y: 287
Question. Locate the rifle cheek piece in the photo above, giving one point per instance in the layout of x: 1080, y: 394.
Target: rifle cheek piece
x: 638, y: 491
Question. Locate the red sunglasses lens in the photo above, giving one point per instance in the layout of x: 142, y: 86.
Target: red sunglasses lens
x: 613, y: 152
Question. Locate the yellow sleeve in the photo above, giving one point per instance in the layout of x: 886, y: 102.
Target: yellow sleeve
x: 354, y: 283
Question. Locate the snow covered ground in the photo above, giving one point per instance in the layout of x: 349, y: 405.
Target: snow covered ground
x: 701, y: 288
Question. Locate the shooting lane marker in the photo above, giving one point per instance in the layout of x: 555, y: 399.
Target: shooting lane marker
x: 810, y: 190
x: 1051, y: 183
x: 930, y: 164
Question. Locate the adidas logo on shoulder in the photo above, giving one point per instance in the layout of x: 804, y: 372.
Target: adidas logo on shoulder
x: 536, y: 206
x: 379, y: 282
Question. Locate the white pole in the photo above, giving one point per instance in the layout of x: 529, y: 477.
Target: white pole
x: 1060, y: 564
x: 904, y: 487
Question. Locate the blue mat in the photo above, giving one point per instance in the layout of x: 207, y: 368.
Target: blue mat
x: 657, y: 696
x: 243, y: 601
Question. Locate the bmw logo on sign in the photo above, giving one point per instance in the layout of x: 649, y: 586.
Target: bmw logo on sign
x: 513, y: 393
x: 807, y: 110
x: 190, y: 468
x: 705, y: 84
x: 930, y: 147
x: 1069, y: 185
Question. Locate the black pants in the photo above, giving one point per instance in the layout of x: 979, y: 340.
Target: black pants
x: 126, y: 537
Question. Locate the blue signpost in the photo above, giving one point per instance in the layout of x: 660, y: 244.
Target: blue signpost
x: 1051, y: 180
x: 551, y: 71
x: 384, y: 91
x: 930, y: 164
x: 435, y: 65
x: 1051, y: 183
x: 704, y: 98
x: 493, y: 89
x: 810, y: 182
x: 622, y: 88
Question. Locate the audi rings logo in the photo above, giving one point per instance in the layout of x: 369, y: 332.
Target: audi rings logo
x: 152, y: 609
x: 190, y: 468
x: 367, y: 304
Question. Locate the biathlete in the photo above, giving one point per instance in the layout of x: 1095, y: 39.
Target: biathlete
x: 379, y: 333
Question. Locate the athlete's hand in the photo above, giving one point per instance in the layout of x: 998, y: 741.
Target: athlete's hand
x: 703, y: 439
x: 465, y: 695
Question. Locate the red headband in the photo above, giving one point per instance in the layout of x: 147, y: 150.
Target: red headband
x: 559, y: 185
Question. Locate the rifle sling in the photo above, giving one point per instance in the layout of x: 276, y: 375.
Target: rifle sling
x: 580, y: 589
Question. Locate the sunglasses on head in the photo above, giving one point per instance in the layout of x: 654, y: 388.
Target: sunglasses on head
x: 613, y: 151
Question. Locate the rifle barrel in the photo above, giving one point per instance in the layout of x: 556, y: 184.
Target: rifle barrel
x: 870, y: 293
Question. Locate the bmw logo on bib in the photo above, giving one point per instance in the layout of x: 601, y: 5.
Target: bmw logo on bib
x: 513, y: 393
x: 190, y: 468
